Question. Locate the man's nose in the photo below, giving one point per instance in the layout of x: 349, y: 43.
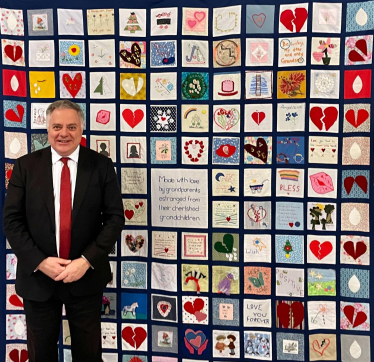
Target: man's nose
x: 64, y: 131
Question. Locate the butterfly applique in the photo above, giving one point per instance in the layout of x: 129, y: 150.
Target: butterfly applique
x: 257, y: 282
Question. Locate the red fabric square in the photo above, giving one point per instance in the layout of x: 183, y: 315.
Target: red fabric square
x: 357, y: 84
x: 14, y: 83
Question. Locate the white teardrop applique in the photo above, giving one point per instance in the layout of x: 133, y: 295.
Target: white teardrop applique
x: 11, y: 22
x: 355, y: 350
x: 355, y: 151
x: 14, y: 84
x: 357, y: 85
x: 354, y: 217
x: 361, y: 17
x: 354, y: 284
x: 15, y: 146
x: 19, y: 328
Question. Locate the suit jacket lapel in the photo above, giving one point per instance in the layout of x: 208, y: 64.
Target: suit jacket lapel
x: 85, y: 164
x: 43, y: 165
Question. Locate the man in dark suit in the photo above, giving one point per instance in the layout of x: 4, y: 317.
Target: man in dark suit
x: 62, y: 215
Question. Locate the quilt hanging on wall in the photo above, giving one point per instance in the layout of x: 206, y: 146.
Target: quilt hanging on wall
x: 240, y: 133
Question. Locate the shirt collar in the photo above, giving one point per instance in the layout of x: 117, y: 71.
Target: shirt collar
x: 56, y: 157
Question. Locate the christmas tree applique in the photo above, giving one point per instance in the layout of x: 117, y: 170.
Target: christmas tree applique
x: 287, y: 248
x: 132, y: 23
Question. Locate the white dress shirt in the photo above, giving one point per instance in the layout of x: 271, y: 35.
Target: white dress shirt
x: 56, y: 176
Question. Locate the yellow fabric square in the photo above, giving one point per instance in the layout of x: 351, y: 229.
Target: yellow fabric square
x: 42, y: 84
x: 133, y: 86
x: 291, y: 84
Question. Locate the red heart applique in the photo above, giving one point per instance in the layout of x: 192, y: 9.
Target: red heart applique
x: 349, y: 312
x: 328, y: 116
x: 134, y: 337
x: 258, y: 117
x: 132, y: 118
x: 354, y: 55
x: 12, y: 116
x: 15, y: 300
x: 361, y: 181
x: 362, y: 116
x: 226, y: 150
x: 18, y: 356
x: 14, y: 52
x: 288, y: 18
x: 287, y: 313
x: 129, y: 214
x: 194, y: 149
x: 194, y: 307
x: 320, y: 250
x: 349, y: 247
x: 72, y: 85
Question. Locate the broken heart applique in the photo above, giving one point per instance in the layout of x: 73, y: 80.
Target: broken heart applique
x: 258, y: 117
x: 294, y: 19
x: 226, y: 245
x: 360, y: 51
x: 13, y: 52
x: 355, y: 253
x: 194, y: 149
x: 134, y: 243
x: 132, y: 118
x: 134, y: 337
x: 19, y: 356
x: 226, y: 118
x: 129, y: 86
x: 12, y: 116
x: 362, y: 116
x: 361, y: 317
x: 321, y: 346
x: 226, y: 150
x: 290, y: 316
x: 16, y: 301
x: 133, y: 56
x: 326, y: 117
x: 360, y: 180
x: 260, y: 150
x: 195, y: 308
x: 257, y: 213
x: 320, y: 250
x: 74, y: 85
x: 164, y: 308
x: 133, y: 210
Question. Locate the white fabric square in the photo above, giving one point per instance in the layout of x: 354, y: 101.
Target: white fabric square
x: 259, y: 52
x: 103, y: 116
x: 321, y: 249
x: 195, y: 53
x: 133, y: 149
x: 102, y: 53
x: 291, y: 117
x: 164, y: 21
x: 163, y: 86
x: 132, y: 22
x: 105, y: 145
x: 133, y: 117
x: 227, y: 20
x: 327, y: 18
x: 321, y: 315
x: 257, y: 248
x: 324, y: 84
x: 257, y: 182
x: 292, y: 51
x: 102, y: 85
x: 258, y: 118
x: 70, y: 22
x: 226, y: 86
x: 41, y: 53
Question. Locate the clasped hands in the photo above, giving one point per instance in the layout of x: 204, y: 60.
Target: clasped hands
x: 62, y: 269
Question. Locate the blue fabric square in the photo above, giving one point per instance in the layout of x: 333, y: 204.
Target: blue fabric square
x: 163, y: 54
x: 226, y: 150
x: 360, y: 16
x: 134, y: 275
x: 169, y: 146
x: 72, y: 52
x: 15, y: 114
x: 220, y: 304
x: 354, y: 283
x: 289, y: 216
x: 290, y: 150
x: 355, y: 192
x: 289, y: 249
x: 133, y: 306
x: 260, y: 19
x: 290, y: 346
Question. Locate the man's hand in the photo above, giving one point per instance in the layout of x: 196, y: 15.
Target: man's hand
x: 52, y: 266
x: 73, y: 271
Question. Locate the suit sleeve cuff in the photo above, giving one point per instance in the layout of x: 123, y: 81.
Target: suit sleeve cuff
x: 87, y: 261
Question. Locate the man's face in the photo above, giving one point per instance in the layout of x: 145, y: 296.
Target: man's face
x: 64, y: 131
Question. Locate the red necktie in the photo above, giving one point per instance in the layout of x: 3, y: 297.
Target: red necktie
x: 65, y: 210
